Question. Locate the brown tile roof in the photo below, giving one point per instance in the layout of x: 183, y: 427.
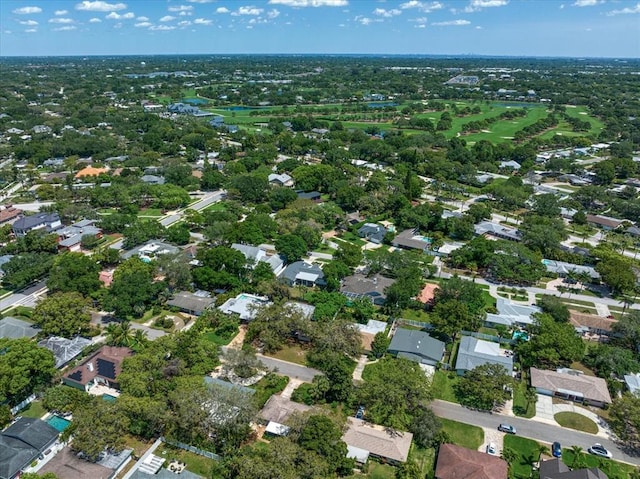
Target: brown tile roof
x: 428, y: 292
x: 106, y: 363
x: 455, y: 462
x: 279, y: 409
x: 8, y: 213
x: 591, y: 321
x: 603, y: 221
x: 590, y: 387
x: 378, y: 440
x: 90, y: 171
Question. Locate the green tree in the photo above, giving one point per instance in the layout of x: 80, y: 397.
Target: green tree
x: 25, y: 268
x: 617, y: 273
x: 380, y: 344
x: 425, y: 427
x: 25, y: 368
x: 628, y: 329
x: 63, y: 314
x: 292, y: 247
x: 322, y: 436
x: 179, y: 234
x: 552, y: 344
x: 554, y: 307
x: 624, y: 419
x: 485, y: 387
x: 64, y: 399
x: 132, y: 290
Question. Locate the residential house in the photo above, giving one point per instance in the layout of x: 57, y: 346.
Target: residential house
x: 106, y: 277
x: 102, y: 367
x: 66, y: 464
x: 511, y: 314
x: 372, y: 232
x: 410, y: 239
x: 416, y: 346
x: 150, y: 250
x: 563, y: 269
x: 604, y: 222
x: 591, y: 325
x: 254, y: 254
x: 283, y: 180
x: 63, y: 349
x: 302, y: 273
x: 474, y: 352
x: 220, y: 383
x: 184, y: 109
x: 42, y: 130
x: 556, y: 469
x: 22, y: 443
x: 191, y: 303
x: 368, y: 332
x: 217, y: 121
x: 277, y: 410
x: 314, y: 196
x: 244, y: 305
x: 90, y: 171
x: 510, y: 165
x: 4, y: 259
x: 632, y: 382
x: 40, y: 221
x: 8, y: 214
x: 307, y: 310
x: 497, y: 231
x: 152, y: 179
x: 571, y: 385
x: 366, y: 440
x: 14, y: 328
x: 428, y: 293
x: 360, y: 286
x: 456, y: 462
x: 633, y: 231
x: 70, y: 237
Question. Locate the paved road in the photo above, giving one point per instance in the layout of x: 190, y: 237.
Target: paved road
x: 207, y: 200
x: 292, y: 370
x: 532, y: 429
x: 24, y: 297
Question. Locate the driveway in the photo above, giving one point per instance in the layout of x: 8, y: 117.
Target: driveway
x: 492, y: 435
x: 544, y: 410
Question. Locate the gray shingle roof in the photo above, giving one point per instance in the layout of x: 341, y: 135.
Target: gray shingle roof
x: 16, y: 328
x: 476, y: 352
x: 190, y: 302
x: 64, y: 349
x: 416, y: 345
x: 22, y: 442
x: 303, y: 271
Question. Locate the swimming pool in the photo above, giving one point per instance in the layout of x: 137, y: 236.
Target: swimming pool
x: 58, y: 423
x: 109, y: 397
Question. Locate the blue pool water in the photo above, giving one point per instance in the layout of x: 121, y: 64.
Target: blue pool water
x: 195, y: 101
x: 58, y: 423
x: 109, y: 397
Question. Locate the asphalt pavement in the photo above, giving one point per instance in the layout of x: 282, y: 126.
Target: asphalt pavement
x: 292, y: 370
x: 531, y: 429
x: 24, y: 297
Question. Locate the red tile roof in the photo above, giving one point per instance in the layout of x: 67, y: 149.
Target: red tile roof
x: 455, y: 462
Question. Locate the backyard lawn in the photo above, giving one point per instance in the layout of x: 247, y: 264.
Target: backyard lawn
x: 292, y: 353
x: 443, y: 385
x: 195, y: 463
x: 220, y: 340
x: 34, y: 409
x: 576, y: 421
x: 463, y: 434
x: 613, y: 469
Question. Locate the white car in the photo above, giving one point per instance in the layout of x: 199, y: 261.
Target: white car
x: 492, y: 449
x: 599, y: 450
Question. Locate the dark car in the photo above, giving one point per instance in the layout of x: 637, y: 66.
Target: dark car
x: 599, y: 450
x: 360, y: 412
x: 556, y: 449
x: 508, y: 428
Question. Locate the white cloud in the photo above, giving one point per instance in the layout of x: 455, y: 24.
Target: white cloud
x: 202, y: 21
x: 61, y: 12
x: 381, y: 12
x: 425, y: 7
x: 478, y: 27
x: 419, y: 20
x: 100, y: 6
x: 117, y: 16
x: 28, y: 23
x: 27, y: 10
x: 142, y: 24
x: 181, y: 8
x: 362, y: 20
x: 60, y: 20
x: 271, y: 14
x: 142, y: 19
x: 586, y: 3
x: 95, y: 20
x: 28, y: 30
x: 184, y: 13
x: 477, y: 5
x: 249, y: 10
x: 66, y: 28
x: 167, y: 18
x: 452, y: 23
x: 222, y: 10
x: 184, y: 23
x: 421, y: 25
x: 162, y: 27
x: 625, y: 11
x: 310, y: 3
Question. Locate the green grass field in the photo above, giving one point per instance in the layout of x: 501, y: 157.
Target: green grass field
x: 528, y: 452
x: 292, y: 353
x: 463, y: 435
x: 443, y: 385
x: 35, y: 410
x: 576, y: 421
x: 613, y: 469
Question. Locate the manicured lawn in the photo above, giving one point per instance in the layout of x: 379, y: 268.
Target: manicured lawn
x: 35, y: 410
x: 269, y: 385
x: 528, y: 452
x: 463, y: 434
x: 155, y: 212
x: 292, y: 353
x: 381, y: 471
x: 613, y: 469
x: 220, y: 340
x: 576, y: 421
x: 425, y: 458
x: 219, y: 206
x: 415, y: 315
x: 197, y: 464
x: 522, y: 407
x: 443, y: 385
x: 489, y: 301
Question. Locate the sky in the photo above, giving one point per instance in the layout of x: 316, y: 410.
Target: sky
x: 557, y: 28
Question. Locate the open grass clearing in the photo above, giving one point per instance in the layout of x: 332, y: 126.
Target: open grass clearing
x: 195, y: 463
x: 292, y: 353
x: 522, y: 407
x: 443, y: 385
x: 613, y: 469
x: 463, y: 435
x: 35, y: 409
x: 576, y: 421
x: 220, y: 340
x: 528, y: 452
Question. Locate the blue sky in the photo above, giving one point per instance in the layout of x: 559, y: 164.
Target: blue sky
x: 574, y: 28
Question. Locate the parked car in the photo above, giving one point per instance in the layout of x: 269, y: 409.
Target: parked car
x: 360, y: 412
x: 599, y: 450
x: 492, y: 449
x: 508, y: 428
x: 556, y: 449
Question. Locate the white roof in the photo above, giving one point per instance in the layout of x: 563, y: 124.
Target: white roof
x: 277, y: 429
x: 360, y: 455
x: 485, y: 347
x: 372, y: 327
x: 304, y: 276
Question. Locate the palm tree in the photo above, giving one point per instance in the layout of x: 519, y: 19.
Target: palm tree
x: 542, y: 449
x: 577, y: 455
x: 139, y: 337
x: 119, y: 334
x: 510, y: 456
